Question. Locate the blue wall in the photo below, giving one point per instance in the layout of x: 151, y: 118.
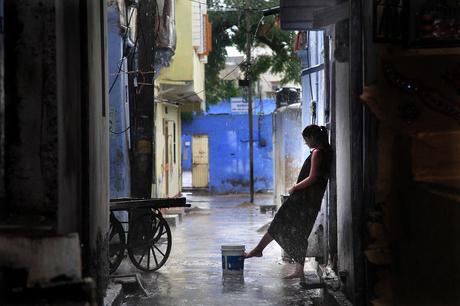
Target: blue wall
x: 119, y: 140
x: 229, y: 147
x: 265, y: 106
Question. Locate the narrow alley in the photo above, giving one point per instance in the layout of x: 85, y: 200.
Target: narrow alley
x: 112, y: 111
x: 193, y: 273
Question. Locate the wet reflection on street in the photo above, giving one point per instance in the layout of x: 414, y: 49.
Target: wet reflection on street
x: 193, y: 273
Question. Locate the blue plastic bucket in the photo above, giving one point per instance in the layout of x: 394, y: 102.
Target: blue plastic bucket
x: 232, y: 259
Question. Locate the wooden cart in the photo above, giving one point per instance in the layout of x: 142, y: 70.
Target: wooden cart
x: 145, y: 235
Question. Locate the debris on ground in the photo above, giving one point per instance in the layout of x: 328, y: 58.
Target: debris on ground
x: 246, y: 204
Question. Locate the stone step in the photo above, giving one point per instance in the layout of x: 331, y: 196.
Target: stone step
x: 172, y: 219
x: 265, y: 208
x: 176, y: 211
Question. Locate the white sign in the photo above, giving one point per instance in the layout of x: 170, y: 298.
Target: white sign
x: 239, y: 105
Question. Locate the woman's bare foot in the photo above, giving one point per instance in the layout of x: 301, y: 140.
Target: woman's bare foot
x: 253, y: 253
x: 298, y: 272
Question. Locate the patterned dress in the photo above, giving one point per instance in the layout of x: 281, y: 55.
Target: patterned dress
x: 294, y: 221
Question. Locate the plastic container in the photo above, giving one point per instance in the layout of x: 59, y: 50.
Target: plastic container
x: 232, y: 259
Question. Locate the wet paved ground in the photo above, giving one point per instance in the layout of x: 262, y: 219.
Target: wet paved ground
x: 193, y: 273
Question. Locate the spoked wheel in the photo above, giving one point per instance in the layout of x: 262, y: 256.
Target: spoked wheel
x: 117, y: 244
x: 149, y: 242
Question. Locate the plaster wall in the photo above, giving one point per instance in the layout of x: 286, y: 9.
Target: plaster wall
x: 2, y: 122
x: 288, y: 148
x: 98, y: 163
x: 343, y: 158
x: 185, y: 74
x: 120, y: 172
x: 47, y: 257
x: 57, y: 134
x: 31, y: 111
x: 183, y: 61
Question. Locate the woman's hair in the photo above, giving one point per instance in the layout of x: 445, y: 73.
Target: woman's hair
x: 319, y: 134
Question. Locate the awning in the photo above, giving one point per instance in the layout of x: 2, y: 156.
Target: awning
x: 298, y: 15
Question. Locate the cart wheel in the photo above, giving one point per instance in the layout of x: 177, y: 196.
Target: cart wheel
x: 149, y: 242
x: 117, y: 244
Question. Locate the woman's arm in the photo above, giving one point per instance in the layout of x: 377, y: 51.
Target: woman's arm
x: 316, y: 159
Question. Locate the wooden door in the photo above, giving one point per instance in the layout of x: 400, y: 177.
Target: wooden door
x: 170, y: 156
x: 200, y: 161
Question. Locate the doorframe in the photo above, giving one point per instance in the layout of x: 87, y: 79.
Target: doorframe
x: 208, y: 174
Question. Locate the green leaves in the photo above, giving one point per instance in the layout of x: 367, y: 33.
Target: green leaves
x: 227, y: 18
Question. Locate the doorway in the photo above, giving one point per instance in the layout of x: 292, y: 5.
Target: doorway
x: 200, y: 161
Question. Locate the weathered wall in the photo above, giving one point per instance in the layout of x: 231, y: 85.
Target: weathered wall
x: 229, y: 151
x: 31, y: 111
x: 288, y: 148
x: 96, y: 218
x: 343, y: 166
x: 56, y: 138
x: 2, y: 123
x: 120, y: 171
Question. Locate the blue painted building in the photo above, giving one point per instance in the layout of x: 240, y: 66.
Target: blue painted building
x: 118, y: 108
x: 228, y: 146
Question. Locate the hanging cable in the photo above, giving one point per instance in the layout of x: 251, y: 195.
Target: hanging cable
x: 120, y: 63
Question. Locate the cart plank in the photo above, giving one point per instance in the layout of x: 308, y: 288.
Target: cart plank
x: 135, y: 203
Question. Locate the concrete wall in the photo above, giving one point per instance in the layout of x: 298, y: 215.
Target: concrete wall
x: 229, y: 150
x: 186, y: 64
x: 343, y: 158
x: 120, y: 171
x: 288, y: 147
x: 97, y: 175
x: 182, y: 64
x: 56, y: 139
x: 31, y: 112
x: 2, y: 122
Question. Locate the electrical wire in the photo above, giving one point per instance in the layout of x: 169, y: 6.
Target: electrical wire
x: 257, y: 29
x: 120, y: 65
x: 121, y: 60
x: 122, y: 132
x: 131, y: 52
x: 195, y: 94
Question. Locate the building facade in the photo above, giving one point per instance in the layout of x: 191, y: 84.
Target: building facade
x: 215, y: 147
x: 179, y: 87
x: 54, y: 148
x: 393, y: 121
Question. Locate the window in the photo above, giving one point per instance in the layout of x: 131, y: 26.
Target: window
x: 201, y: 30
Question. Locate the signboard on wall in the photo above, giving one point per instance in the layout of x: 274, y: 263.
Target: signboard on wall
x: 239, y: 105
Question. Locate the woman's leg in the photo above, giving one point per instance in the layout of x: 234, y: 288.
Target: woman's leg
x: 257, y: 251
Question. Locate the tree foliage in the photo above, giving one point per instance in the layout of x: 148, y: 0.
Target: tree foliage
x: 228, y: 22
